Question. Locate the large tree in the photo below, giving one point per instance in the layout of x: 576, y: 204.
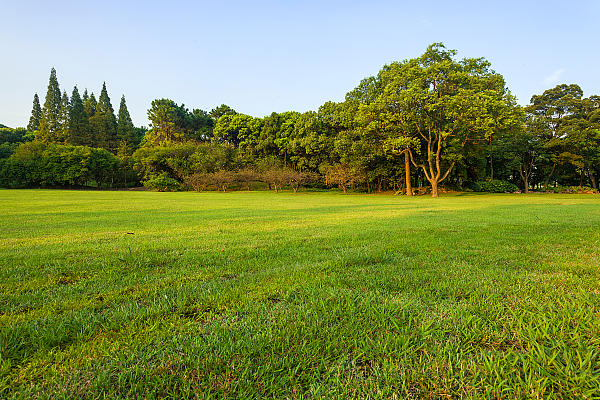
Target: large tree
x: 125, y: 129
x: 79, y: 133
x: 104, y: 123
x: 449, y: 103
x: 49, y: 129
x: 549, y: 117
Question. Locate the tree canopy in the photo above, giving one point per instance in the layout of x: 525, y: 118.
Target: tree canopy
x: 418, y: 125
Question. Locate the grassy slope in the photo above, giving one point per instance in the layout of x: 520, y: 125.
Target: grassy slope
x: 243, y: 295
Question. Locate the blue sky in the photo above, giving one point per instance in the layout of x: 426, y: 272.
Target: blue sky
x: 265, y: 56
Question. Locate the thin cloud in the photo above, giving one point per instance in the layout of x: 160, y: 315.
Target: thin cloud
x: 552, y: 79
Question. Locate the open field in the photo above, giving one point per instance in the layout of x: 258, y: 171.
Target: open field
x: 314, y: 295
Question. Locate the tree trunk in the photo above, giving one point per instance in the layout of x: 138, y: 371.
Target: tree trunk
x: 593, y: 179
x: 434, y: 188
x: 409, y: 191
x: 548, y: 177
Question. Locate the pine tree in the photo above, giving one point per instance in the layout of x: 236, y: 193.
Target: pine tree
x: 63, y: 120
x: 49, y: 129
x: 125, y: 129
x: 104, y: 123
x: 79, y: 124
x: 90, y: 104
x: 36, y: 115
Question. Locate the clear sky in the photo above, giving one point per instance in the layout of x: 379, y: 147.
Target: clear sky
x: 264, y: 55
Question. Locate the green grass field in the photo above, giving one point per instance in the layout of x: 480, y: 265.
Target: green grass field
x: 316, y: 296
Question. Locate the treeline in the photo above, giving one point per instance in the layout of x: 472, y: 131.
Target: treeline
x: 415, y: 126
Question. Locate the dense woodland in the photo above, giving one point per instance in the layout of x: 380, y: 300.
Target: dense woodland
x: 419, y: 126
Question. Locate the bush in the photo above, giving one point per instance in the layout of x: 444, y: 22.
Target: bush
x: 573, y: 189
x: 162, y: 183
x: 497, y: 186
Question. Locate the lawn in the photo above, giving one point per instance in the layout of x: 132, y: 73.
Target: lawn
x: 107, y: 294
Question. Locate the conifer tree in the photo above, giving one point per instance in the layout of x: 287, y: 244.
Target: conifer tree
x: 125, y: 129
x: 104, y: 123
x: 49, y: 129
x: 36, y: 115
x: 90, y: 104
x: 63, y: 120
x: 79, y: 124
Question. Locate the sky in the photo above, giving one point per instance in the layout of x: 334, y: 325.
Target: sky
x: 267, y: 56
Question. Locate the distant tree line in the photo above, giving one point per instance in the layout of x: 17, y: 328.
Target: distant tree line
x: 417, y: 126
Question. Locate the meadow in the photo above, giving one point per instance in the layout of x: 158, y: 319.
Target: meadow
x: 124, y: 294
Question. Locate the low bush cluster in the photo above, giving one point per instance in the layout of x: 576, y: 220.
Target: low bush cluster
x: 222, y: 180
x: 574, y: 189
x: 496, y: 186
x: 36, y: 164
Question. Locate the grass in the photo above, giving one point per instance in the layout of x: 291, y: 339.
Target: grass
x: 312, y: 296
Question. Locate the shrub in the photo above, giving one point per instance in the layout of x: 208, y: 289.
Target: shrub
x: 162, y: 182
x: 497, y: 186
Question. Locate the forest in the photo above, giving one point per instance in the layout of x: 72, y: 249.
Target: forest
x: 424, y: 125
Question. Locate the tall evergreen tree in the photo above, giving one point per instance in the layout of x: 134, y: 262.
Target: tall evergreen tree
x: 49, y: 129
x: 64, y: 118
x: 79, y: 124
x: 36, y: 115
x: 104, y: 123
x: 125, y: 129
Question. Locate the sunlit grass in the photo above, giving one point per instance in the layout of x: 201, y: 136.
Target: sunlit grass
x: 314, y: 295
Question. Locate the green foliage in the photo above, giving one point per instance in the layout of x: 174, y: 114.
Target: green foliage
x: 49, y: 128
x: 171, y: 123
x: 496, y: 186
x: 7, y: 149
x: 126, y: 133
x: 104, y: 123
x: 79, y: 132
x: 419, y: 122
x: 36, y: 115
x: 12, y: 136
x: 162, y: 182
x: 240, y: 130
x: 180, y: 160
x: 223, y: 109
x: 89, y: 104
x: 35, y: 164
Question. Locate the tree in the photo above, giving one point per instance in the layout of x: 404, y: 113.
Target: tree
x: 223, y: 179
x: 125, y: 129
x: 239, y: 130
x: 36, y: 115
x: 49, y: 129
x: 581, y: 133
x: 278, y: 178
x: 450, y: 103
x: 104, y: 123
x: 342, y: 176
x: 172, y: 123
x: 79, y: 133
x: 64, y: 118
x: 548, y: 117
x: 220, y: 111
